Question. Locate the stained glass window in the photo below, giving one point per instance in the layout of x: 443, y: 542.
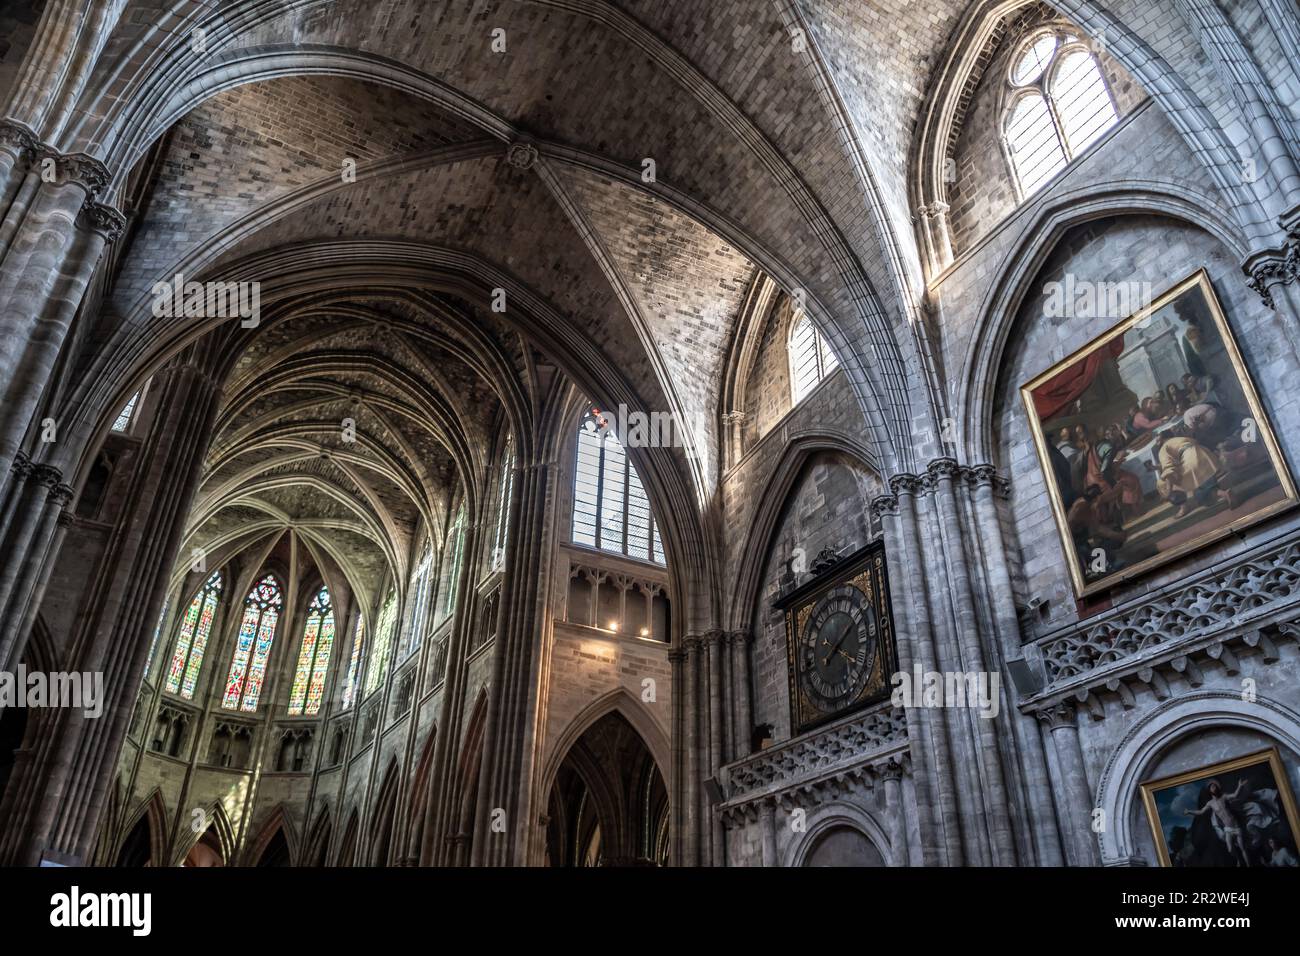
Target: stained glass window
x: 420, y: 589
x: 503, y: 505
x: 811, y: 359
x: 192, y: 638
x: 313, y: 658
x: 611, y: 510
x: 1060, y: 106
x: 383, y: 645
x: 123, y: 421
x: 452, y: 558
x: 354, y: 664
x: 253, y: 646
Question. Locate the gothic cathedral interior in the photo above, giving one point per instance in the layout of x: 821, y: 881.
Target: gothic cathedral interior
x: 649, y: 433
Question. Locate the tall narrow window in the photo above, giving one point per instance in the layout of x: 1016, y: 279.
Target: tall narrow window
x: 377, y: 670
x: 1058, y: 106
x: 420, y: 589
x: 811, y: 359
x: 503, y: 505
x: 611, y: 511
x: 192, y: 638
x: 313, y: 657
x: 354, y: 664
x: 123, y: 421
x: 157, y: 633
x: 253, y: 646
x: 452, y: 554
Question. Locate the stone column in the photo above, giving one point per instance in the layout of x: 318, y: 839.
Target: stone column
x: 1028, y: 741
x: 767, y: 826
x: 937, y: 757
x: 693, y: 763
x: 678, y: 801
x: 714, y: 643
x: 892, y: 774
x: 440, y: 813
x: 510, y: 725
x: 997, y: 808
x: 121, y: 610
x: 17, y: 619
x: 885, y: 508
x: 1062, y: 721
x: 43, y: 278
x: 742, y: 700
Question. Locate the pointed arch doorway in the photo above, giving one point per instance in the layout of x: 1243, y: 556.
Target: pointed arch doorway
x: 608, y: 805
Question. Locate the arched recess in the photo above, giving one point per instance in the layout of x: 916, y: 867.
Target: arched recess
x: 1171, y: 722
x: 605, y: 785
x: 144, y: 838
x: 1037, y: 240
x: 317, y: 848
x: 421, y: 793
x: 835, y: 816
x: 800, y: 449
x: 218, y: 838
x: 22, y: 728
x: 384, y: 823
x: 620, y: 701
x: 347, y: 853
x: 464, y: 796
x: 276, y: 843
x: 927, y: 179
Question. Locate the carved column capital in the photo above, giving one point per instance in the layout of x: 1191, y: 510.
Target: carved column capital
x: 105, y: 220
x: 84, y: 170
x: 47, y: 476
x: 942, y: 469
x: 905, y: 484
x: 18, y: 140
x: 980, y: 476
x: 1059, y: 716
x: 884, y: 506
x: 1275, y: 266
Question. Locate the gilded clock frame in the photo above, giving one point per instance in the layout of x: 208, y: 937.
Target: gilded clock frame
x: 867, y: 572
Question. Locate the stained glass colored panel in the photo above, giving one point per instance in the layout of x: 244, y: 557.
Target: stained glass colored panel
x: 200, y: 645
x: 354, y: 665
x: 256, y: 672
x: 316, y: 690
x: 243, y: 646
x: 183, y: 640
x: 301, y: 674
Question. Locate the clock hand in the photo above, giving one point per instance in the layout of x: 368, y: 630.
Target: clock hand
x: 844, y: 632
x: 851, y: 660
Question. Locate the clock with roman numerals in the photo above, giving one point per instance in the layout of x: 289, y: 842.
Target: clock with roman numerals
x: 839, y: 633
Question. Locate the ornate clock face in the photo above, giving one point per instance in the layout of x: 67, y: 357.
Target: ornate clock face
x: 837, y: 648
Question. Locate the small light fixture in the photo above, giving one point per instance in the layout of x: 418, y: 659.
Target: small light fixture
x: 613, y: 625
x: 645, y: 632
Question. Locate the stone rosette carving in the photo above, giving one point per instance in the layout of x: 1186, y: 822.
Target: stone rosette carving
x: 522, y: 154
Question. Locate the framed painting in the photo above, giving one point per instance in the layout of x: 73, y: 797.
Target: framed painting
x: 1239, y: 812
x: 1153, y: 441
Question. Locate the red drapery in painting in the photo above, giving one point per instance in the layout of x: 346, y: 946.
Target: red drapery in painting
x: 1061, y: 389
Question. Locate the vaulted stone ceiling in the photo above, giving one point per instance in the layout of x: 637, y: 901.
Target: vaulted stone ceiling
x: 778, y: 134
x: 356, y: 425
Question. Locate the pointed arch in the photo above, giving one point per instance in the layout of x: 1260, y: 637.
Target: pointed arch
x: 143, y: 839
x: 383, y: 825
x: 219, y: 826
x: 784, y: 477
x: 347, y: 852
x: 279, y: 821
x: 317, y: 847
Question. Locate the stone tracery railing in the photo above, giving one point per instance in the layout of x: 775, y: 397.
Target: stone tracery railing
x: 851, y: 745
x: 1258, y: 589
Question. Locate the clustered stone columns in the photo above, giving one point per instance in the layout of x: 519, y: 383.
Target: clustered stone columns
x: 440, y: 843
x: 51, y: 238
x: 976, y: 777
x: 1063, y: 724
x: 512, y: 710
x: 57, y: 804
x: 30, y: 530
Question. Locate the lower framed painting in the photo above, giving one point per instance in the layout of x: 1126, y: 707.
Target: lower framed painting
x: 1153, y: 441
x: 1239, y: 812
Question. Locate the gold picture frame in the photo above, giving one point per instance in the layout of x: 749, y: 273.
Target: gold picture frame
x: 1158, y: 486
x: 1264, y: 824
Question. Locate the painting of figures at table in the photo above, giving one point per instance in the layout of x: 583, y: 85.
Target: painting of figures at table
x: 1153, y: 440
